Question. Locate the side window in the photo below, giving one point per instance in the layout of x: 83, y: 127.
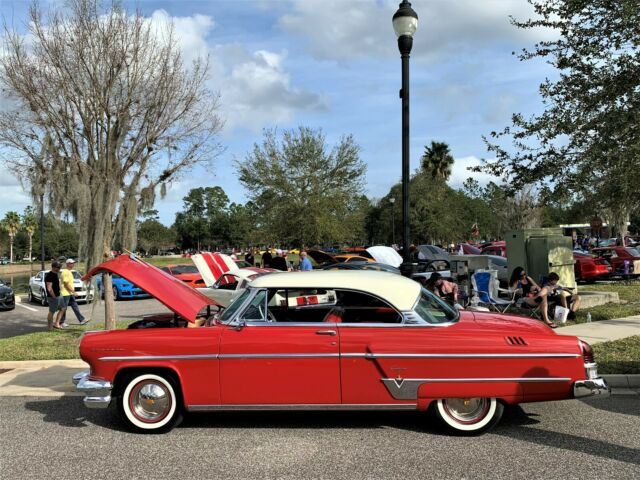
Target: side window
x: 364, y: 308
x: 257, y: 309
x: 227, y: 282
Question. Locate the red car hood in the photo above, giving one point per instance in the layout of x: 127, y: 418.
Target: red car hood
x: 176, y: 295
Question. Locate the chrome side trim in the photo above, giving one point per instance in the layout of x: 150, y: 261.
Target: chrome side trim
x: 141, y: 358
x: 407, y: 388
x: 369, y: 356
x: 459, y: 355
x: 310, y: 406
x: 227, y: 356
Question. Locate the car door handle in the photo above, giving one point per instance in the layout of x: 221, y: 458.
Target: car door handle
x: 326, y: 332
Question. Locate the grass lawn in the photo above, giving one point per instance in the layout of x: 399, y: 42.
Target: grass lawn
x: 629, y: 297
x: 619, y: 356
x: 57, y: 344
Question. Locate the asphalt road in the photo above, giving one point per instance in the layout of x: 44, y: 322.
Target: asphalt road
x: 59, y: 438
x: 32, y: 317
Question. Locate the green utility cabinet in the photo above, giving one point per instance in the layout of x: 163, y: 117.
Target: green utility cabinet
x: 541, y: 251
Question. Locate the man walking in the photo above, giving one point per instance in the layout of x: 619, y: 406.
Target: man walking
x: 52, y: 283
x: 70, y: 300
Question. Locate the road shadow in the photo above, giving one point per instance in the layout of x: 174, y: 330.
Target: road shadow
x: 626, y: 405
x: 69, y: 411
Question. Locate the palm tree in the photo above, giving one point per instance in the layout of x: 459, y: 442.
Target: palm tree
x: 11, y: 225
x: 437, y: 160
x: 29, y: 222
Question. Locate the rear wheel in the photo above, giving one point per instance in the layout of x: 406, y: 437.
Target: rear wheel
x: 468, y: 416
x: 116, y: 295
x: 149, y: 403
x: 30, y: 296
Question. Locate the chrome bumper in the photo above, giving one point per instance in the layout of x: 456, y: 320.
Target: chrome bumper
x: 589, y: 388
x: 97, y: 392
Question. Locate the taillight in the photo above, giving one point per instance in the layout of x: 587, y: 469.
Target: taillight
x: 587, y: 352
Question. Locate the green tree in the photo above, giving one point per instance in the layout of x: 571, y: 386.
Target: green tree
x: 30, y: 223
x: 305, y: 193
x: 437, y: 160
x: 586, y: 142
x: 153, y: 236
x: 204, y: 219
x: 11, y: 224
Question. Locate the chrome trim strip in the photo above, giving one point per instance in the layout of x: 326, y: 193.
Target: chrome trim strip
x: 206, y: 356
x: 459, y: 355
x: 310, y: 406
x: 368, y: 356
x: 227, y: 356
x: 407, y: 388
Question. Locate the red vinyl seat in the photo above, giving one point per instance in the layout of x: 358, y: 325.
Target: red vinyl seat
x: 335, y: 315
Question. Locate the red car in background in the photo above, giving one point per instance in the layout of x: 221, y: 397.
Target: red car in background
x: 468, y: 249
x: 189, y: 274
x: 589, y: 269
x: 623, y: 260
x: 496, y: 248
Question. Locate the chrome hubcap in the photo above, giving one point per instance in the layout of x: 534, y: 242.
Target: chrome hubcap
x: 466, y: 410
x: 150, y: 401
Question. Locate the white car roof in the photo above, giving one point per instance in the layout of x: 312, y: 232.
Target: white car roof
x: 402, y: 293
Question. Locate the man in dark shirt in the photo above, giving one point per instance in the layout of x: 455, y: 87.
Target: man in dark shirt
x: 52, y: 284
x: 266, y: 258
x: 279, y: 262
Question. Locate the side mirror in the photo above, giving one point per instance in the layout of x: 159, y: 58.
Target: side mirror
x: 240, y: 325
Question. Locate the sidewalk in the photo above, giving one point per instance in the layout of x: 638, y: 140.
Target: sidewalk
x: 604, y: 330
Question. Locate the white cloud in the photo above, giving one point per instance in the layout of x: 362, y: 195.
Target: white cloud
x: 254, y: 86
x: 362, y: 29
x: 460, y: 172
x: 12, y: 195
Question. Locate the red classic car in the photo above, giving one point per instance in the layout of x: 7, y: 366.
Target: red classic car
x: 589, y: 269
x: 496, y: 248
x: 624, y: 261
x: 326, y: 340
x: 187, y: 273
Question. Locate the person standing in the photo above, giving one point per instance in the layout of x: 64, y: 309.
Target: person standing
x: 279, y: 262
x: 71, y: 302
x: 52, y: 284
x: 305, y: 263
x: 267, y: 258
x: 249, y: 258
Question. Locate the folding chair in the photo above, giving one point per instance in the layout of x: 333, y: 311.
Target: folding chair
x: 486, y: 286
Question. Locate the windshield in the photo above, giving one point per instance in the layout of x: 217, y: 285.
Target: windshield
x: 433, y: 310
x: 634, y: 252
x: 234, y: 306
x: 76, y: 275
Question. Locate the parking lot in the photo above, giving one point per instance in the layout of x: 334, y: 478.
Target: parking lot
x: 32, y: 317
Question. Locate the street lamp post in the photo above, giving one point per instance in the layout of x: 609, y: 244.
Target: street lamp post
x: 392, y: 201
x: 405, y: 22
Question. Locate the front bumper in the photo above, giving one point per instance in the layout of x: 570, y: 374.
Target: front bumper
x: 97, y: 392
x: 590, y: 388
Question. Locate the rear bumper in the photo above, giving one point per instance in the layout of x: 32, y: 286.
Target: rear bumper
x: 97, y: 392
x: 590, y: 388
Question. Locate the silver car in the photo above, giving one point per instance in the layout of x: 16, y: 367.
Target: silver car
x: 38, y: 291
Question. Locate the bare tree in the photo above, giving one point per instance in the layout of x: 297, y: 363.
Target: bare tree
x: 108, y: 98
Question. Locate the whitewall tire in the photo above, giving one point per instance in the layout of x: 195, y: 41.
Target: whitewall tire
x: 149, y: 403
x: 469, y: 416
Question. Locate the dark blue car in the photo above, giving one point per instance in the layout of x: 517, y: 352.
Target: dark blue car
x: 122, y: 288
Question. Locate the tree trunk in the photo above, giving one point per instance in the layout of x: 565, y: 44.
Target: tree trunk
x: 109, y: 303
x: 30, y: 246
x: 11, y: 248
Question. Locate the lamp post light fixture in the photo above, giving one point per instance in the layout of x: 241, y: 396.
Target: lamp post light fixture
x: 405, y: 22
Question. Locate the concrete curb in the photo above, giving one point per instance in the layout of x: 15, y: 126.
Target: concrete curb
x: 623, y: 381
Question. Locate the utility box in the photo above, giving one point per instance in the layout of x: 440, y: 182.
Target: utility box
x: 541, y: 251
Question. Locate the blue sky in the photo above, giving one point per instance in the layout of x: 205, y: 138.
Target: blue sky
x: 334, y: 65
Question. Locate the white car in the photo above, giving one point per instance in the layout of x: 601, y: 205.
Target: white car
x: 38, y: 291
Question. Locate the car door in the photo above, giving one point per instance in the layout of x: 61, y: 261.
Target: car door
x: 267, y: 362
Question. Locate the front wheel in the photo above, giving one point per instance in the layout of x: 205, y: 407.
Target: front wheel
x: 43, y: 298
x: 468, y: 416
x: 149, y: 403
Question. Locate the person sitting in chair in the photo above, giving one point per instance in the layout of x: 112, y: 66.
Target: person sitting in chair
x: 444, y: 289
x: 561, y: 295
x: 531, y: 293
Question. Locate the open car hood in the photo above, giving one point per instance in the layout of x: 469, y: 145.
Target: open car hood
x: 321, y: 257
x: 212, y: 265
x: 386, y: 255
x: 176, y: 295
